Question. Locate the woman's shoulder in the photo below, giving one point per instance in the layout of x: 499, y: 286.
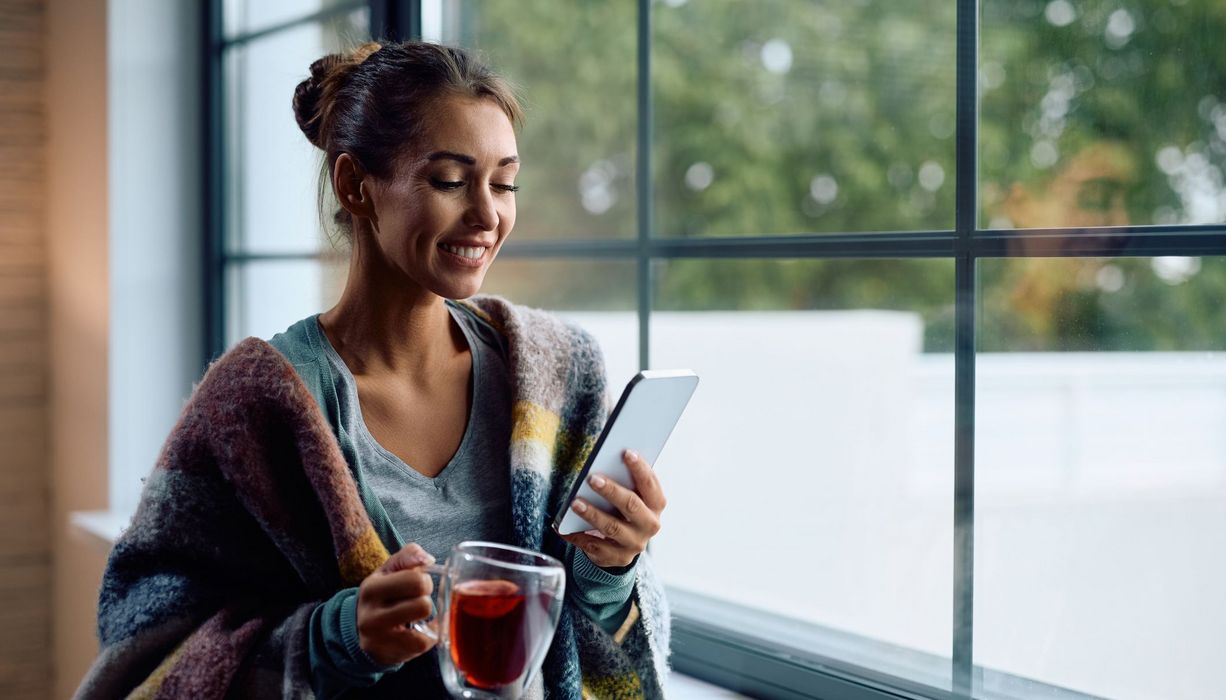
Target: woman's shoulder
x: 543, y: 343
x: 298, y: 343
x: 525, y: 324
x: 252, y: 369
x: 255, y: 369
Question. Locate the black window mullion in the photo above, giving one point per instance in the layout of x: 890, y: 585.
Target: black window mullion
x: 395, y: 20
x: 213, y: 139
x: 643, y: 182
x: 966, y: 213
x: 875, y: 245
x: 1120, y: 241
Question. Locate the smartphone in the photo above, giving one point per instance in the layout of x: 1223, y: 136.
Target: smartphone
x: 644, y: 417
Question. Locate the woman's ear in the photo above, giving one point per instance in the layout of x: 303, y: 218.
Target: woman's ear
x: 352, y: 188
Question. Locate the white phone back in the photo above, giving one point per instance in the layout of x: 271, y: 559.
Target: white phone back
x: 642, y: 421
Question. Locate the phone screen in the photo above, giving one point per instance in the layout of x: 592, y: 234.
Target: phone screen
x: 642, y: 421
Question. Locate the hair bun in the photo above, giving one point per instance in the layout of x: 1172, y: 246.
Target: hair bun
x: 312, y: 95
x: 307, y: 98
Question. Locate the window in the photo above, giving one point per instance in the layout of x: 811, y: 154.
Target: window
x: 272, y: 260
x: 951, y: 272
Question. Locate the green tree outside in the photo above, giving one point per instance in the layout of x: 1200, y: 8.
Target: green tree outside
x: 782, y: 117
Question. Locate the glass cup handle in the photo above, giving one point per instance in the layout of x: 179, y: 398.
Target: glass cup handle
x: 423, y: 626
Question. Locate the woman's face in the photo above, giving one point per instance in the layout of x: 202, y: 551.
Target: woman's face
x: 450, y: 203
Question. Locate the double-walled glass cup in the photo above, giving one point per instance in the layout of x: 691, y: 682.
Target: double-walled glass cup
x: 499, y: 606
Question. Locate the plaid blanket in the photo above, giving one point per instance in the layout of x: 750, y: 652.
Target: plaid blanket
x: 251, y: 518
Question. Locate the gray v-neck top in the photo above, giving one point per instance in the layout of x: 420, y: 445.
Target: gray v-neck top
x: 471, y: 498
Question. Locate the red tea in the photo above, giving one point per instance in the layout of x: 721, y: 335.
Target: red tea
x: 495, y: 630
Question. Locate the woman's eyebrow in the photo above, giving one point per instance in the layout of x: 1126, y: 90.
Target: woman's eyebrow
x: 467, y: 159
x: 448, y: 155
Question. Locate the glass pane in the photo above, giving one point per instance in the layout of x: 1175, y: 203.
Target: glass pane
x: 574, y: 65
x: 274, y: 170
x: 812, y: 475
x: 1096, y: 304
x: 266, y: 297
x: 599, y: 295
x: 244, y: 16
x: 1102, y: 113
x: 1101, y: 477
x: 791, y: 116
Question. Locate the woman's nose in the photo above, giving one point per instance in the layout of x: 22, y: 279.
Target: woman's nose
x: 482, y: 214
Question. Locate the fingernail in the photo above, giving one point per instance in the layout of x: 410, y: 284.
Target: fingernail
x: 632, y: 455
x: 597, y: 481
x: 579, y: 506
x: 423, y: 558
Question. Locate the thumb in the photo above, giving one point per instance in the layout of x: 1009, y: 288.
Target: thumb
x: 410, y: 556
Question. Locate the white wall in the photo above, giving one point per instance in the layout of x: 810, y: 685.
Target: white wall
x: 156, y: 223
x: 122, y: 224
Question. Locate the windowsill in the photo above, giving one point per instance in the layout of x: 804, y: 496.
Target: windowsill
x: 682, y: 687
x: 102, y: 527
x: 813, y: 644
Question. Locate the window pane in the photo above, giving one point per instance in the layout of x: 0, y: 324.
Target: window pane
x: 266, y: 297
x: 243, y: 16
x: 1102, y: 113
x: 812, y: 475
x: 1101, y: 476
x: 790, y: 116
x: 1096, y: 304
x: 274, y: 170
x: 574, y: 65
x: 599, y: 295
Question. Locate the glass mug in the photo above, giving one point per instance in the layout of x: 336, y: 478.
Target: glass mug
x: 499, y: 608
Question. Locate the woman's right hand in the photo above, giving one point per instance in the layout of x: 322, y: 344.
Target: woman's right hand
x: 389, y: 600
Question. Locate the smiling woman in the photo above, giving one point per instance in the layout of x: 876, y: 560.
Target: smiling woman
x: 443, y: 211
x: 282, y: 545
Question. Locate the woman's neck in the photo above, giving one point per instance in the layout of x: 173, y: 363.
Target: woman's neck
x: 386, y: 324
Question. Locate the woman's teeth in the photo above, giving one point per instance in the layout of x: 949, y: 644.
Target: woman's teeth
x: 470, y: 252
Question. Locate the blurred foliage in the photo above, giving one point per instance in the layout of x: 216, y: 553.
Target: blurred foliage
x: 780, y: 117
x: 550, y: 283
x: 573, y: 66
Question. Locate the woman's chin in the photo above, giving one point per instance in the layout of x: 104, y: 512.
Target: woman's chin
x: 459, y: 289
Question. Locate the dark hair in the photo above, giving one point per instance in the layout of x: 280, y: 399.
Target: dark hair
x: 371, y: 102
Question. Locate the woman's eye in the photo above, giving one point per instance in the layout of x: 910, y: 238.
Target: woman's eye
x: 505, y: 188
x: 447, y: 185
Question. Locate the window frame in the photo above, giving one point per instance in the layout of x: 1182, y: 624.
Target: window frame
x: 733, y: 658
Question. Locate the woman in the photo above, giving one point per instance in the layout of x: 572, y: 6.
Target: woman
x: 397, y: 421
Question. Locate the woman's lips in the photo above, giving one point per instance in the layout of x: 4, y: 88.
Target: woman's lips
x: 464, y: 256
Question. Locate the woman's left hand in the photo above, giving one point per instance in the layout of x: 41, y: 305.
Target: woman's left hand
x: 615, y: 541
